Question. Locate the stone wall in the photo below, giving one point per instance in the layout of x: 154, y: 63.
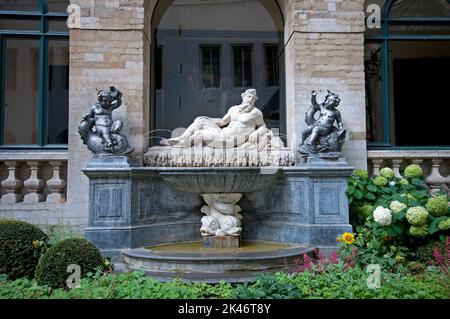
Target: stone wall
x: 325, y: 50
x: 108, y: 46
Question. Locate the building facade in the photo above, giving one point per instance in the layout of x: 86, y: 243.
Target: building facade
x: 175, y: 60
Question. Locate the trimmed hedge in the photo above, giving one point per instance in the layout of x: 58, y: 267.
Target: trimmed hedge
x: 52, y: 268
x: 18, y: 258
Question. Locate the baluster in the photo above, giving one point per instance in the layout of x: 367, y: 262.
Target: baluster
x: 376, y: 165
x: 435, y: 180
x: 34, y: 184
x: 12, y: 184
x: 396, y: 163
x: 56, y: 184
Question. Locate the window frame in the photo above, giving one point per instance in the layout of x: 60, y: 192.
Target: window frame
x: 202, y: 82
x: 252, y: 61
x: 277, y: 65
x: 384, y: 38
x: 43, y: 35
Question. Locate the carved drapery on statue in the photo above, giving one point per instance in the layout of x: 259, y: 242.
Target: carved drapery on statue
x: 322, y: 138
x: 98, y: 130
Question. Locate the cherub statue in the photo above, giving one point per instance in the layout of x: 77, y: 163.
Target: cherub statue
x: 98, y: 130
x: 321, y: 135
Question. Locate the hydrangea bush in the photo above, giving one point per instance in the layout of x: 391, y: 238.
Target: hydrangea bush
x: 395, y: 214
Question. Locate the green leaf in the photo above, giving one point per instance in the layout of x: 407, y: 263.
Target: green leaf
x: 370, y: 196
x: 350, y: 190
x: 358, y: 194
x: 419, y: 193
x: 372, y: 188
x: 417, y: 182
x: 433, y: 228
x: 398, y: 228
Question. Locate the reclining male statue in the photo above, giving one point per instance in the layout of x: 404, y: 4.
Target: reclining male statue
x: 242, y: 127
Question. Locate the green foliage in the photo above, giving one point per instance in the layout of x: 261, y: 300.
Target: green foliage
x: 418, y: 231
x: 413, y: 171
x: 387, y: 173
x: 437, y: 206
x: 18, y: 256
x: 406, y: 198
x: 52, y: 268
x: 335, y: 281
x: 417, y: 216
x: 268, y: 286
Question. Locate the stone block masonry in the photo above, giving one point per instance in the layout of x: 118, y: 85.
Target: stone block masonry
x: 325, y: 50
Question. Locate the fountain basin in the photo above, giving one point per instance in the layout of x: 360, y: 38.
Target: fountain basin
x: 218, y: 179
x: 189, y: 261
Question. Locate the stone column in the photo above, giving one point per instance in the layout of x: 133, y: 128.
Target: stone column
x: 12, y: 185
x: 325, y: 50
x: 56, y: 184
x: 34, y: 184
x: 108, y: 47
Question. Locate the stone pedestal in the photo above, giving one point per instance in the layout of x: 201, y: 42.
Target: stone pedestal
x: 221, y: 242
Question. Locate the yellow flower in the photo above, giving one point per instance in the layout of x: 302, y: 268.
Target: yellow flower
x: 348, y: 238
x: 36, y: 244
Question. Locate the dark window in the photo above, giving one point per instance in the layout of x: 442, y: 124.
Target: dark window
x: 242, y: 60
x: 34, y: 73
x: 158, y: 68
x: 58, y: 91
x: 21, y: 98
x: 22, y: 5
x: 407, y: 62
x: 211, y: 66
x: 272, y: 71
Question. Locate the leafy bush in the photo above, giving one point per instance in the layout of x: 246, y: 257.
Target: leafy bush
x: 394, y: 216
x: 18, y: 256
x: 52, y: 268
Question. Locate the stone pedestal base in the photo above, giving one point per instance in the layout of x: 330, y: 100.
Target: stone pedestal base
x: 222, y: 242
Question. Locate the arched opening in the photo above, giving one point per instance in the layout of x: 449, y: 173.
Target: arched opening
x: 206, y: 53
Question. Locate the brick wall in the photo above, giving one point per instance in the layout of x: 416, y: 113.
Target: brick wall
x: 108, y: 46
x: 325, y: 50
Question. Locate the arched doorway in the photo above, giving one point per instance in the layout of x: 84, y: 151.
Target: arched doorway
x: 205, y: 53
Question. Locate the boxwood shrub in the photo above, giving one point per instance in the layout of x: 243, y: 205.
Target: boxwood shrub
x: 52, y: 268
x: 18, y: 258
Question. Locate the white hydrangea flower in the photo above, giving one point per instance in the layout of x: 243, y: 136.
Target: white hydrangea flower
x: 382, y: 216
x: 391, y: 183
x: 397, y: 206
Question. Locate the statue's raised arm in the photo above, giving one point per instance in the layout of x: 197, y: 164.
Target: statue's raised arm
x: 98, y: 130
x: 322, y: 136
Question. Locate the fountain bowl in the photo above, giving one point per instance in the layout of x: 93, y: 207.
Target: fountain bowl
x: 219, y: 179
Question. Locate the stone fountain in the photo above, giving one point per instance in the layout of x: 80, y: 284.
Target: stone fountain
x: 223, y: 200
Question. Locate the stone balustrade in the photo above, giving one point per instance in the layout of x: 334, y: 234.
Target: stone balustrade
x: 33, y: 177
x: 435, y: 165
